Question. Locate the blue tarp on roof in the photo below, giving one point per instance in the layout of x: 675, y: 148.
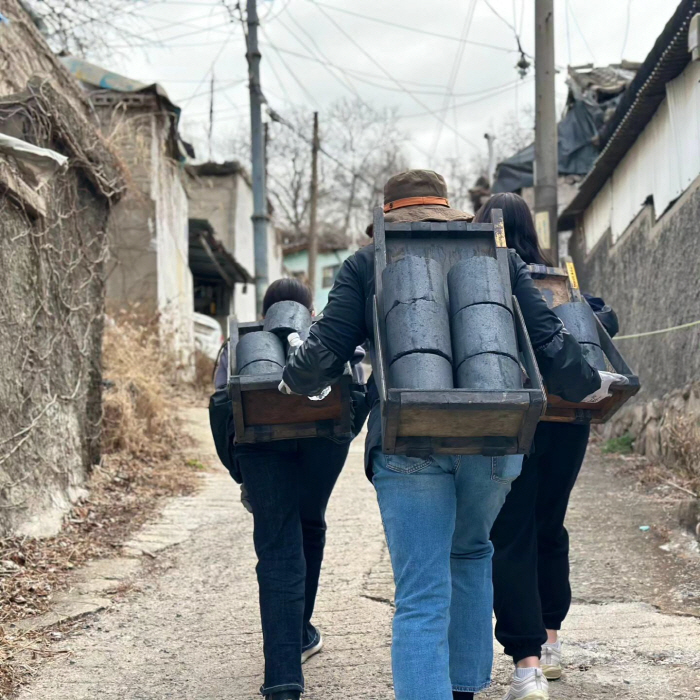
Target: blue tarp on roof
x: 578, y: 137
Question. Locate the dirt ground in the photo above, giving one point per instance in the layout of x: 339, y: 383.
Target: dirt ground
x: 190, y: 627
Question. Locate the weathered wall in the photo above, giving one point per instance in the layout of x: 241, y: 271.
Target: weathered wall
x: 132, y: 268
x: 214, y: 198
x: 52, y: 252
x: 148, y: 230
x: 175, y: 288
x: 226, y: 201
x: 651, y: 277
x: 244, y: 250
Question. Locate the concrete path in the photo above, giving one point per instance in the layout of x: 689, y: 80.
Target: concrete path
x: 192, y: 632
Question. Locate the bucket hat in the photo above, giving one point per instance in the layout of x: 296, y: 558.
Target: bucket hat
x: 419, y: 195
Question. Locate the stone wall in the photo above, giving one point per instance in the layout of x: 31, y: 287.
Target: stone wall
x: 650, y: 277
x: 661, y: 425
x: 52, y: 253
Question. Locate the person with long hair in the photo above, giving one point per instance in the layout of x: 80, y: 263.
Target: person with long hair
x: 437, y: 510
x: 288, y: 484
x: 532, y: 593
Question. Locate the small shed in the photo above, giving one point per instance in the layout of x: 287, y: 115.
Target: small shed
x: 215, y: 272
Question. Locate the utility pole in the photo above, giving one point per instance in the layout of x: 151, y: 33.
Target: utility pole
x: 546, y: 161
x: 257, y: 156
x: 313, y: 208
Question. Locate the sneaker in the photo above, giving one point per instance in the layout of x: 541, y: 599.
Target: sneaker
x: 306, y: 654
x: 551, y: 661
x: 284, y: 695
x: 532, y: 687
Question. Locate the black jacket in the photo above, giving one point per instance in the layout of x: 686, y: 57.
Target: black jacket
x: 347, y: 322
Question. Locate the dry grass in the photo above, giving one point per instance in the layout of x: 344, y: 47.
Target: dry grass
x: 143, y: 462
x: 203, y: 374
x: 138, y: 402
x: 675, y: 474
x: 682, y: 436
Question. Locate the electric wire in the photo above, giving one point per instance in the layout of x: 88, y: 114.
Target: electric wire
x: 501, y: 17
x: 354, y: 72
x: 427, y: 32
x: 279, y: 80
x: 226, y: 85
x: 456, y: 64
x: 389, y: 75
x: 326, y: 62
x: 580, y: 31
x: 512, y: 85
x: 358, y: 75
x: 627, y: 30
x: 568, y: 30
x: 289, y: 70
x: 206, y: 75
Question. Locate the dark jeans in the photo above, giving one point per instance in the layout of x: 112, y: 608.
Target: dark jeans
x: 289, y: 483
x: 531, y: 545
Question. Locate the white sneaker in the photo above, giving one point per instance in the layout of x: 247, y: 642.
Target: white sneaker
x: 308, y: 653
x: 534, y: 687
x: 551, y: 661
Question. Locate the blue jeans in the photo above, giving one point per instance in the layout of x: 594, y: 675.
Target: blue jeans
x: 437, y: 514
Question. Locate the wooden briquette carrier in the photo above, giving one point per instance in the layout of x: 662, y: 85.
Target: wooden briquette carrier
x: 451, y: 421
x: 262, y: 414
x: 559, y: 285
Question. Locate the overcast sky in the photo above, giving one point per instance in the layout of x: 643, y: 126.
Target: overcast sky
x: 387, y: 65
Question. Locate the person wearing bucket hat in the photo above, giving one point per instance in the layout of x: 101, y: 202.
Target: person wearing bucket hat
x: 419, y: 195
x: 437, y: 511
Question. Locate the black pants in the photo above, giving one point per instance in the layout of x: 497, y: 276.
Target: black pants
x: 289, y: 483
x: 531, y: 545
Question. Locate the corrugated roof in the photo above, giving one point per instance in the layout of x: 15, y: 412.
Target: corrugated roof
x: 603, y: 80
x: 666, y: 61
x: 102, y: 79
x: 208, y: 256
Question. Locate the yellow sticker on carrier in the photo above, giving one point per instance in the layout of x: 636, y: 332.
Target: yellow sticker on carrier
x: 500, y: 231
x: 571, y: 270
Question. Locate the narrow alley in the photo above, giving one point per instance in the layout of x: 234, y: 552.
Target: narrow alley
x: 191, y: 629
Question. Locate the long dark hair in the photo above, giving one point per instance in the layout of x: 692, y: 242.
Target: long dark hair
x: 287, y: 289
x: 520, y: 229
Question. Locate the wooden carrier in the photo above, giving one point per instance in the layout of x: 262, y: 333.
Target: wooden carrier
x: 453, y: 421
x: 262, y: 414
x: 560, y: 286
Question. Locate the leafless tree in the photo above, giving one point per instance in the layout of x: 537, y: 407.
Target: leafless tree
x: 513, y: 134
x: 361, y: 148
x: 371, y: 145
x: 90, y: 27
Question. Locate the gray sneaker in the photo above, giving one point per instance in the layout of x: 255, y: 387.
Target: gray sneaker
x: 534, y: 687
x: 551, y: 661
